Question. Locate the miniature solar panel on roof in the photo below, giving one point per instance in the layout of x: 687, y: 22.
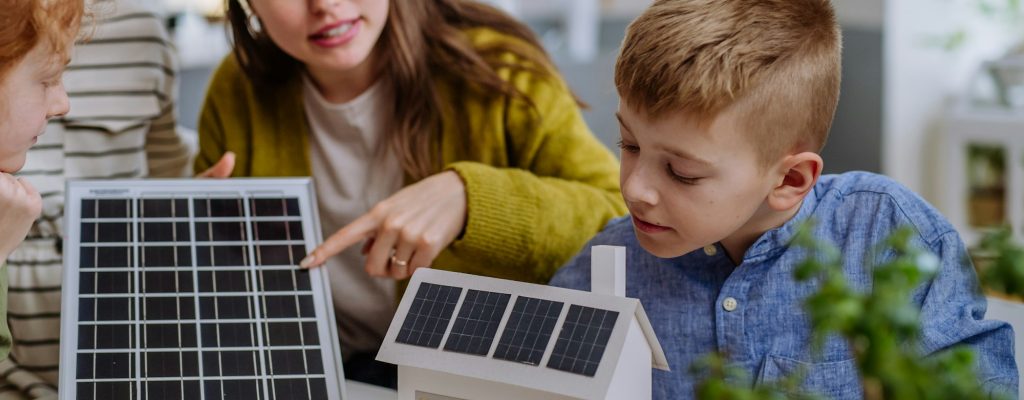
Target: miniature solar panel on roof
x: 190, y: 290
x: 428, y: 318
x: 528, y: 330
x: 478, y: 320
x: 582, y: 341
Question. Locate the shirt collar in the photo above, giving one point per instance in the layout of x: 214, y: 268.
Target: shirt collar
x: 779, y: 238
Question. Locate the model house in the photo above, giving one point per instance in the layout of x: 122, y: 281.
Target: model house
x: 459, y: 336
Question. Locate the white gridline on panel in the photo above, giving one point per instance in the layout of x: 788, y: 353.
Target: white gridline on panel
x: 199, y: 348
x: 205, y: 379
x: 298, y: 311
x: 210, y: 321
x: 192, y: 293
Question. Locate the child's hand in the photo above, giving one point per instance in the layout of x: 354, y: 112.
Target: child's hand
x: 222, y: 169
x: 405, y: 231
x: 20, y: 205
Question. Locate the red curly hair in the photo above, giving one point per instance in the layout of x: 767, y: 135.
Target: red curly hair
x: 26, y: 23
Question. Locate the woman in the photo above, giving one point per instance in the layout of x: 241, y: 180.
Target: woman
x: 437, y: 131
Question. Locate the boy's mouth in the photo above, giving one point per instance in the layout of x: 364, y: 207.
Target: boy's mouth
x: 648, y: 227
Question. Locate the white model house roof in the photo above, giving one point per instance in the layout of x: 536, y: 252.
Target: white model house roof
x: 553, y: 339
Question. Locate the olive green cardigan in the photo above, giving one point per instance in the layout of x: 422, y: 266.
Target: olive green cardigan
x: 538, y: 183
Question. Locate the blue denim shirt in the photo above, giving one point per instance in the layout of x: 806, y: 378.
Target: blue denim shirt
x: 763, y: 328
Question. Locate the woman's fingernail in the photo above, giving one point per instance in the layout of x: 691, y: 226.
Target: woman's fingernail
x: 308, y: 261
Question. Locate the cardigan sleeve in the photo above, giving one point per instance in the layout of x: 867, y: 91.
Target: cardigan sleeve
x: 562, y: 185
x: 222, y: 114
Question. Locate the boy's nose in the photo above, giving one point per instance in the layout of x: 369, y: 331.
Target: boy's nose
x: 636, y: 188
x: 60, y: 105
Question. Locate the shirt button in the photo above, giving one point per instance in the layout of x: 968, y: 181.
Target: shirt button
x: 729, y: 304
x: 710, y: 250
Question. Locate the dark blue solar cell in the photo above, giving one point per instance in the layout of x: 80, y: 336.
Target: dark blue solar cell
x: 429, y: 314
x: 528, y: 330
x: 477, y: 322
x: 583, y: 339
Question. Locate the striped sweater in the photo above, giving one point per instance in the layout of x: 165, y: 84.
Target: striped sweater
x: 121, y: 84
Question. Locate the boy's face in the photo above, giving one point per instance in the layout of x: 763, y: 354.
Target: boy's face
x: 31, y: 93
x: 687, y: 185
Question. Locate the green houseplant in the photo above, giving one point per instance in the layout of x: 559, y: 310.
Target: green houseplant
x: 882, y: 326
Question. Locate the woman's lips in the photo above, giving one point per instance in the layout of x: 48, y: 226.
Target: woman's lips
x: 337, y: 34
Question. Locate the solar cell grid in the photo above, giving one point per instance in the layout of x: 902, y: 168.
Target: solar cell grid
x: 275, y: 207
x: 528, y: 330
x: 107, y: 232
x: 222, y: 256
x: 428, y: 317
x: 163, y: 208
x: 477, y: 322
x: 171, y: 306
x: 164, y: 231
x: 582, y: 340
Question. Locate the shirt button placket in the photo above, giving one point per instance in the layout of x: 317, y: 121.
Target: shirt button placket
x: 730, y: 304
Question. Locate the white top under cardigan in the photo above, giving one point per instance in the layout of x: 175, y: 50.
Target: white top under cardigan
x: 351, y: 174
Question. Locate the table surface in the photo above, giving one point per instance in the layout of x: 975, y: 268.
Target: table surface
x: 998, y: 308
x: 364, y: 391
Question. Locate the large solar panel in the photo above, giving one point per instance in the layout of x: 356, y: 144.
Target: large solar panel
x: 188, y: 289
x: 478, y: 320
x: 582, y: 341
x: 428, y: 318
x: 528, y: 330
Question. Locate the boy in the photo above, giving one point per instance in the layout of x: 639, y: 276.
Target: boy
x: 724, y: 107
x: 35, y: 38
x: 122, y: 82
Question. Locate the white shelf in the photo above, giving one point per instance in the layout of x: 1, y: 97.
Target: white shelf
x: 999, y: 127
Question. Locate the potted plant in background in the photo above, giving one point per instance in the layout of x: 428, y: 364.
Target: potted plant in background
x: 880, y: 325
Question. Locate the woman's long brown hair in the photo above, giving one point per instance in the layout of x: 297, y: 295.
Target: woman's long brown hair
x: 421, y: 39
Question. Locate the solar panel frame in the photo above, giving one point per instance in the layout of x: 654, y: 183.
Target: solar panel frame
x: 326, y: 348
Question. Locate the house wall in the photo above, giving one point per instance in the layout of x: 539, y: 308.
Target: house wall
x: 432, y: 384
x: 632, y: 376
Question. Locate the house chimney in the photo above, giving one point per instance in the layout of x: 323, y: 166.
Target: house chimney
x: 608, y: 270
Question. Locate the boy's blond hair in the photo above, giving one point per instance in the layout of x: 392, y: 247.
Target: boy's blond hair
x: 776, y: 61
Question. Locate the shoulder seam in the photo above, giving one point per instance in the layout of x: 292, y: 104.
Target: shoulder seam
x: 930, y: 241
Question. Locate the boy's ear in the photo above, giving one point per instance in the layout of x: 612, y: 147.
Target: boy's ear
x: 800, y: 172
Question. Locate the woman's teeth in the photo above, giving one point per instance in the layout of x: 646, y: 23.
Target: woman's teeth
x: 338, y: 31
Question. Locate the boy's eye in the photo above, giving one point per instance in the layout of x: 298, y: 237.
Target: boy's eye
x: 686, y: 180
x: 628, y: 147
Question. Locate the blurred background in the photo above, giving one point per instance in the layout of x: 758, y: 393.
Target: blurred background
x: 932, y: 93
x: 583, y: 36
